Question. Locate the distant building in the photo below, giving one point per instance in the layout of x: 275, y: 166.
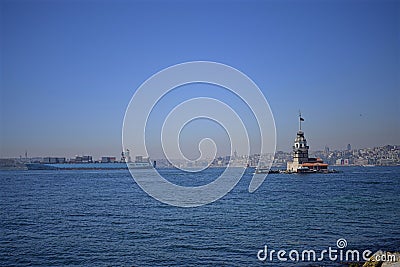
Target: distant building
x: 348, y: 147
x: 87, y: 159
x: 339, y: 162
x: 108, y: 159
x: 52, y: 160
x: 361, y: 161
x: 82, y: 159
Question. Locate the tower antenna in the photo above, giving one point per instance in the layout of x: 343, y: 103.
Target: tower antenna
x: 300, y: 120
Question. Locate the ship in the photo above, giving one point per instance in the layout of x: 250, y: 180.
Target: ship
x: 264, y: 170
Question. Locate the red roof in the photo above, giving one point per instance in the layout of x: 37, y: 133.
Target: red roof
x: 309, y: 164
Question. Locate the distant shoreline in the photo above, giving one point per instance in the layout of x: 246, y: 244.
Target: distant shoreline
x: 17, y: 166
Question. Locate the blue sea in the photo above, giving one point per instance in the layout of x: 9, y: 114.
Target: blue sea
x: 103, y: 218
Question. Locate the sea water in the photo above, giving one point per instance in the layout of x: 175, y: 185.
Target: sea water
x: 103, y: 218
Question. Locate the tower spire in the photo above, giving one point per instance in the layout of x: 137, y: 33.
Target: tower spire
x: 300, y: 120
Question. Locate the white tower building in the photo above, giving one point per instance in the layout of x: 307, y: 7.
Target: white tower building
x: 301, y: 162
x: 300, y: 150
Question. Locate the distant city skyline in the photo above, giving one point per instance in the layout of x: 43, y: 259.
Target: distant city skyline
x: 69, y: 69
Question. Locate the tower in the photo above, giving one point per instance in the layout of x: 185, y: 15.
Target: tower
x: 301, y: 162
x: 127, y: 156
x: 300, y: 148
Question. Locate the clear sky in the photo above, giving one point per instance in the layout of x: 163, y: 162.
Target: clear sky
x: 69, y: 68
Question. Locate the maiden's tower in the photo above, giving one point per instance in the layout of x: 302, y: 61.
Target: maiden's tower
x: 301, y: 162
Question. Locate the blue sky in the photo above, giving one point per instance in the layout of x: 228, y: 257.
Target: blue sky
x: 69, y: 68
